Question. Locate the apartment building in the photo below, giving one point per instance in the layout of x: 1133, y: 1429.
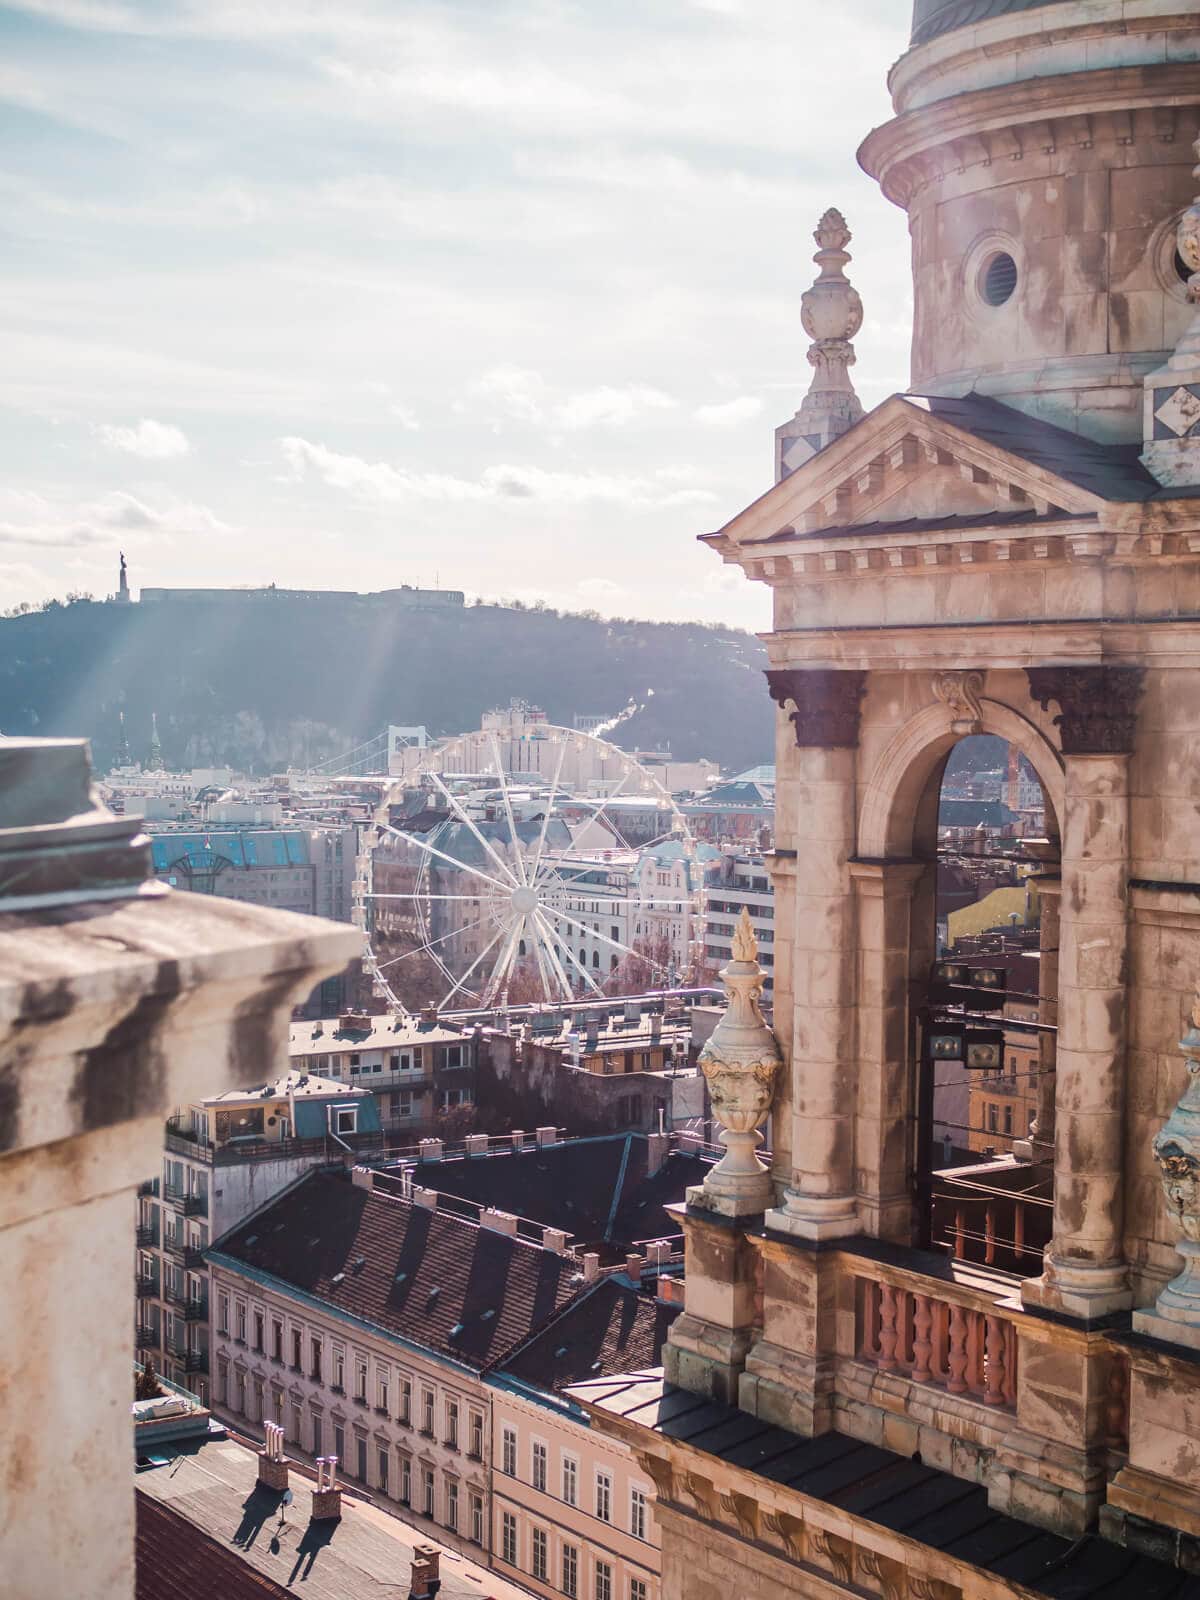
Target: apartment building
x: 362, y: 1323
x: 573, y: 1512
x: 223, y: 1157
x: 413, y: 1067
x: 741, y: 880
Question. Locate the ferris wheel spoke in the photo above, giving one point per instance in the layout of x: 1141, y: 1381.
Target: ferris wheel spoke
x: 541, y: 844
x: 460, y: 812
x: 418, y: 895
x: 461, y: 866
x: 552, y: 956
x: 608, y: 800
x: 614, y: 944
x: 495, y: 982
x: 512, y: 826
x: 487, y: 949
x: 575, y: 962
x: 431, y: 944
x: 539, y: 955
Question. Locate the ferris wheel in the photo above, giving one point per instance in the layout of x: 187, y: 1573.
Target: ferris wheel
x: 536, y: 865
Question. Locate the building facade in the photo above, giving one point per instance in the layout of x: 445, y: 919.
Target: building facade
x: 742, y: 880
x: 1011, y: 549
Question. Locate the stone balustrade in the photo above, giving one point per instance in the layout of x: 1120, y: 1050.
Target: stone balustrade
x: 937, y: 1342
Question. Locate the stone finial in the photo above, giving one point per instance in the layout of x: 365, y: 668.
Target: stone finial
x: 740, y: 1063
x: 1171, y: 419
x: 831, y: 314
x: 1175, y: 1315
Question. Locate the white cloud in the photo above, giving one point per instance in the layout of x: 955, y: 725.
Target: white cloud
x: 33, y: 520
x: 379, y: 481
x: 729, y: 412
x: 612, y: 408
x: 153, y: 441
x: 515, y: 392
x: 407, y: 418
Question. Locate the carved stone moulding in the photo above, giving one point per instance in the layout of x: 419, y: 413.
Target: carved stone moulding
x: 827, y: 704
x: 960, y: 692
x: 1098, y: 706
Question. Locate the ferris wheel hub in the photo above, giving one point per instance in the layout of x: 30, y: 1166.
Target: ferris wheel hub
x: 524, y: 901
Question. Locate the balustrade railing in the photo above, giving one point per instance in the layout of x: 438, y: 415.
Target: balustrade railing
x: 938, y: 1342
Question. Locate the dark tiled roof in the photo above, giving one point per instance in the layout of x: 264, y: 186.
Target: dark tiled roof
x: 177, y: 1561
x: 419, y: 1273
x: 1111, y: 471
x: 613, y: 1329
x: 594, y: 1189
x: 894, y: 1491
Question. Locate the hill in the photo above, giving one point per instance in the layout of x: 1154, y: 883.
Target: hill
x: 294, y: 680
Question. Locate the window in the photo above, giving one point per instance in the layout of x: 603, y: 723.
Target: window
x: 452, y: 1504
x: 381, y: 1390
x: 316, y: 1434
x: 541, y: 1554
x: 427, y: 1491
x: 406, y: 1401
x: 1008, y: 1119
x: 476, y: 1449
x: 637, y: 1513
x: 361, y: 1453
x: 454, y: 1055
x: 570, y: 1492
x: 604, y: 1496
x: 339, y: 1371
x: 570, y: 1572
x: 603, y: 1589
x: 296, y: 1422
x: 508, y: 1538
x: 638, y: 1589
x: 276, y: 1339
x: 222, y: 1312
x: 508, y: 1452
x: 405, y: 1481
x: 258, y: 1331
x: 477, y: 1518
x: 427, y: 1412
x: 339, y: 1443
x: 297, y: 1349
x: 383, y: 1467
x: 452, y: 1424
x: 315, y: 1352
x: 991, y: 1118
x: 538, y: 1457
x: 345, y: 1119
x: 240, y: 1321
x: 360, y: 1380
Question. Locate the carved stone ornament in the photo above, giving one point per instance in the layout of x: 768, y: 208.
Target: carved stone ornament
x: 1098, y: 706
x: 740, y: 1062
x: 789, y: 1530
x: 827, y: 704
x: 1177, y: 1151
x: 837, y: 1552
x: 960, y: 692
x: 1171, y: 432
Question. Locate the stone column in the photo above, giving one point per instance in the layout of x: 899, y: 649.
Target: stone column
x: 884, y: 890
x: 1085, y: 1273
x: 819, y: 1201
x: 1048, y: 885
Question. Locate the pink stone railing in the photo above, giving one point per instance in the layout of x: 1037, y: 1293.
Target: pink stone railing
x: 938, y: 1342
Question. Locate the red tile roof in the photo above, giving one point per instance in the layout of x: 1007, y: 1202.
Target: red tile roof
x: 611, y: 1330
x: 178, y: 1561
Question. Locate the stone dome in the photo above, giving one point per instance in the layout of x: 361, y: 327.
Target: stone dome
x: 932, y: 18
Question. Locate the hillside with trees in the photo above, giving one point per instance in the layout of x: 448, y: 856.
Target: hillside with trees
x: 266, y: 683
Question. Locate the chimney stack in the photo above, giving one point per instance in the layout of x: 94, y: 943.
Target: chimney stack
x: 634, y: 1262
x: 426, y: 1572
x: 362, y: 1178
x: 591, y: 1267
x: 272, y: 1468
x: 498, y: 1221
x: 327, y: 1497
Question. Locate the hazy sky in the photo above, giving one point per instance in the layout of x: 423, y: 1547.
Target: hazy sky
x: 498, y: 294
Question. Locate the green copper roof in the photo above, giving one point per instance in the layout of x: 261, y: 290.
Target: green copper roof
x: 932, y: 18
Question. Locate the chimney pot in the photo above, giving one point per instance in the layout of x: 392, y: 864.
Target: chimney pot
x: 591, y: 1267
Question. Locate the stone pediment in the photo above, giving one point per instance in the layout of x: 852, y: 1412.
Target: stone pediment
x: 905, y: 465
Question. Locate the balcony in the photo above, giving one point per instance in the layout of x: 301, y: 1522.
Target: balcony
x: 146, y: 1338
x: 150, y: 1187
x: 185, y: 1204
x: 189, y: 1256
x: 190, y: 1360
x: 147, y: 1288
x: 192, y: 1308
x: 147, y: 1234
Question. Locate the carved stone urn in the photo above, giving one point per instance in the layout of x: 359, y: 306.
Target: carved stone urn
x: 740, y: 1063
x: 1176, y: 1312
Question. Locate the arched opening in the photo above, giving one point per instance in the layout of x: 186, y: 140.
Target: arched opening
x: 985, y: 980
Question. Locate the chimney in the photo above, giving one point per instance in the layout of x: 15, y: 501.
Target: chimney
x: 272, y: 1468
x: 554, y: 1239
x: 327, y: 1497
x: 498, y: 1221
x: 634, y: 1262
x: 424, y: 1197
x: 429, y: 1014
x: 670, y: 1291
x: 426, y: 1564
x: 591, y: 1267
x: 362, y: 1178
x: 477, y: 1144
x: 657, y: 1252
x: 430, y: 1150
x: 518, y: 1139
x: 546, y: 1136
x: 656, y: 1022
x: 657, y: 1146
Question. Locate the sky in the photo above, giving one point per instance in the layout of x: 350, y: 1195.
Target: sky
x: 495, y: 295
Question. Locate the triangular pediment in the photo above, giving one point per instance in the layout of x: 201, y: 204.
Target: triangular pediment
x: 904, y: 462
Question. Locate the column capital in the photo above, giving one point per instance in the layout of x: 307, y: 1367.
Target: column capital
x: 1098, y: 705
x: 827, y: 704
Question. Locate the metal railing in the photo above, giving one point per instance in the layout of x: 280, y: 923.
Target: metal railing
x: 192, y: 1256
x: 147, y: 1288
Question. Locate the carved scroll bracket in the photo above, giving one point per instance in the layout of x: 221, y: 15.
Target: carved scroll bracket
x: 960, y: 692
